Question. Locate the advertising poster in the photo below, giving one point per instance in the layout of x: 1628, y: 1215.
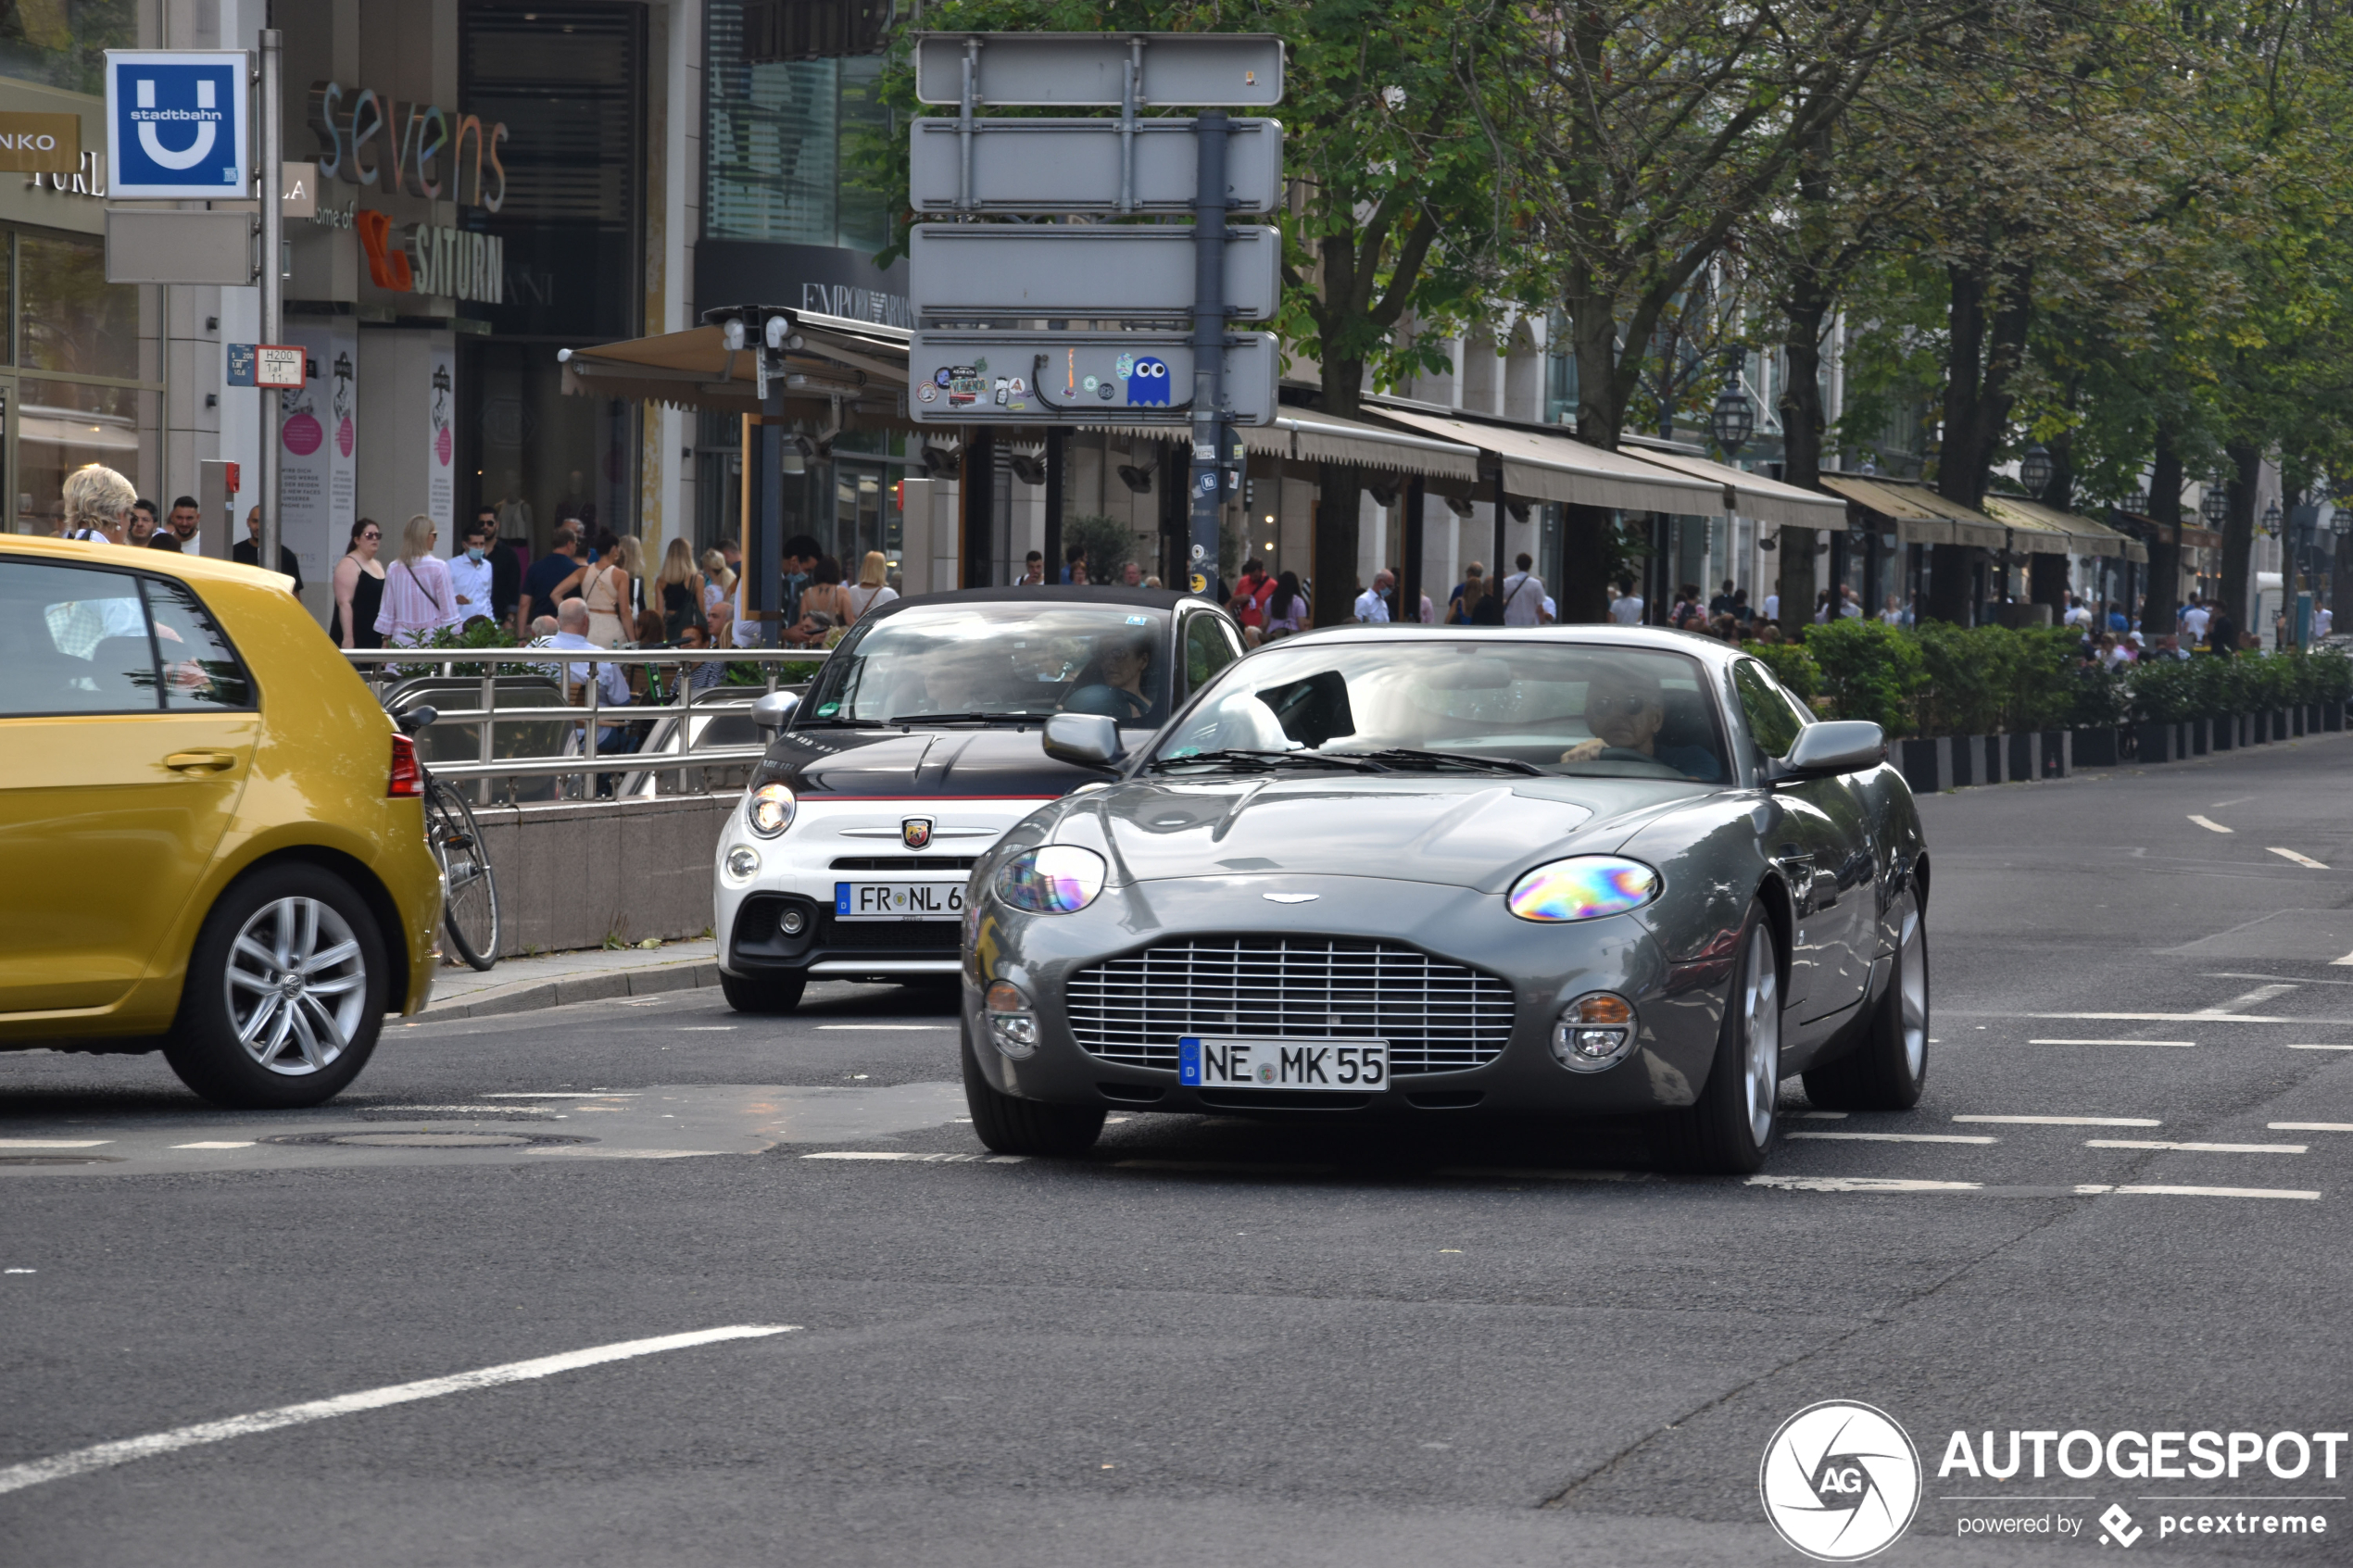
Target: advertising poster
x: 440, y: 441
x: 319, y: 430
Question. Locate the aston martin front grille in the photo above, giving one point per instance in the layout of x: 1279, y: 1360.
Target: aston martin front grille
x: 1438, y: 1017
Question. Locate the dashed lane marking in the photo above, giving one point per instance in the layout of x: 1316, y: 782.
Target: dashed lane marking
x: 2068, y: 1120
x: 2197, y: 1148
x: 226, y: 1143
x: 53, y: 1143
x: 2208, y: 824
x: 2310, y: 1126
x: 1898, y: 1138
x: 2183, y: 1045
x: 1897, y: 1184
x: 906, y: 1157
x: 2158, y: 1191
x: 2299, y: 859
x: 2315, y: 1047
x: 105, y: 1456
x: 562, y: 1094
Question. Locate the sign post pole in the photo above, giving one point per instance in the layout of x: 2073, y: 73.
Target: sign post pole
x: 1209, y: 349
x: 273, y: 290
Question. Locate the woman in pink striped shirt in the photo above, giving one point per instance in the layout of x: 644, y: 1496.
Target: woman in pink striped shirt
x: 418, y: 597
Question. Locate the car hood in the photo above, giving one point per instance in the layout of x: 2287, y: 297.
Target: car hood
x: 1466, y: 831
x: 970, y: 763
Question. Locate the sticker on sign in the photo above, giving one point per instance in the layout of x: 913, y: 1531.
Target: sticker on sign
x: 277, y: 364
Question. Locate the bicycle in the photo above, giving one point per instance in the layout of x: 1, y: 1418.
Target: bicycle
x: 470, y: 903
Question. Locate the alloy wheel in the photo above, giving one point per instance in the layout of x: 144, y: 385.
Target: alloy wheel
x: 1911, y: 974
x: 1762, y: 1003
x: 296, y: 986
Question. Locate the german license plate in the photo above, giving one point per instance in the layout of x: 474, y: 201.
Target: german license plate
x: 899, y: 900
x: 1205, y: 1063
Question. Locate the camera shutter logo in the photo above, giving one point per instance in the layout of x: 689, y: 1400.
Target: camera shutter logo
x: 1841, y: 1481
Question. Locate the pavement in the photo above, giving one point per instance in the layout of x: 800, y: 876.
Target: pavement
x: 638, y: 1280
x: 591, y: 974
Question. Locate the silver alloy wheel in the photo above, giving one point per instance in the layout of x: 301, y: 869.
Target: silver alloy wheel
x: 1762, y: 1004
x: 296, y: 986
x: 1911, y: 979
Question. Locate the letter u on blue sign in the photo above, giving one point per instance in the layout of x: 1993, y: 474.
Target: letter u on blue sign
x: 176, y: 122
x: 1188, y: 1061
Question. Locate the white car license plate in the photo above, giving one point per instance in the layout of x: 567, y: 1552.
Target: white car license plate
x: 1205, y: 1063
x: 899, y: 900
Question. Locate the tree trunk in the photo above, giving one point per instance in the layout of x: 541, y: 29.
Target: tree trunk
x: 1796, y: 584
x: 1948, y: 584
x: 2165, y: 550
x: 1582, y: 594
x: 1338, y: 487
x: 2238, y: 535
x: 1988, y: 316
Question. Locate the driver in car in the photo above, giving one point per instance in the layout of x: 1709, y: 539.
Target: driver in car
x: 1114, y: 683
x: 1625, y: 709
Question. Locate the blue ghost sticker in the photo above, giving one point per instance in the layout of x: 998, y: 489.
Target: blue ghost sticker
x: 1149, y: 382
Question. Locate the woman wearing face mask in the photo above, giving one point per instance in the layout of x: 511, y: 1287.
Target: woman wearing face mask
x: 359, y: 588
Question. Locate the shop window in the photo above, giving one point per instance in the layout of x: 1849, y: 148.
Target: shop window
x: 62, y: 426
x: 69, y: 318
x: 797, y: 148
x: 64, y: 42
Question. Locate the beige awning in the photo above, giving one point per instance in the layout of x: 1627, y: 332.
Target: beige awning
x: 2084, y: 536
x: 862, y: 362
x: 1305, y: 435
x: 1756, y: 495
x: 1921, y: 515
x: 1537, y: 466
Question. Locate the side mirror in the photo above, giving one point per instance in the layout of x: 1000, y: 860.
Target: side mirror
x: 772, y: 709
x: 411, y: 719
x: 1086, y: 740
x: 1837, y: 745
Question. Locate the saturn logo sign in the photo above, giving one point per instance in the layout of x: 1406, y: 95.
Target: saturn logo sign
x: 916, y: 833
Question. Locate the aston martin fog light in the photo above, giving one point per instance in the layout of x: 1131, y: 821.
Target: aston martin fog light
x: 1583, y: 888
x: 1011, y: 1025
x: 743, y: 862
x: 1595, y: 1031
x: 769, y: 810
x: 1056, y: 879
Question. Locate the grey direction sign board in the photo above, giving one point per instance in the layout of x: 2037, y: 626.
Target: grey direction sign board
x: 1074, y: 166
x: 1074, y: 69
x: 1083, y: 269
x: 970, y: 376
x: 165, y: 246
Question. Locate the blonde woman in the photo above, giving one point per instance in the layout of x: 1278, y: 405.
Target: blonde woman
x: 873, y: 587
x: 632, y: 561
x: 97, y: 504
x: 717, y: 580
x: 680, y: 587
x: 604, y: 588
x: 418, y: 596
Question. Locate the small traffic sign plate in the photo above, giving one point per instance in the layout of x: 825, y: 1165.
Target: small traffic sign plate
x: 278, y: 364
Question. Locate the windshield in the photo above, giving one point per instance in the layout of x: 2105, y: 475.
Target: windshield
x: 1557, y: 708
x: 997, y: 660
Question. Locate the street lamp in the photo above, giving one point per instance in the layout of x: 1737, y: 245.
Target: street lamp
x: 2034, y: 469
x: 2340, y: 521
x: 2271, y: 521
x: 2216, y: 508
x: 1733, y: 418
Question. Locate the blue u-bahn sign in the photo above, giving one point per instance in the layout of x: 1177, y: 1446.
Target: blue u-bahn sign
x: 176, y: 123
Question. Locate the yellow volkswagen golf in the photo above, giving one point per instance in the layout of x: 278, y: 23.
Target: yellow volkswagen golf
x: 212, y: 838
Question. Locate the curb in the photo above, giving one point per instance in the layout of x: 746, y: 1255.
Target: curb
x: 530, y: 994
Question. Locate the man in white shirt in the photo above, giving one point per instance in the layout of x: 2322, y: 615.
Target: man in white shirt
x: 2322, y: 619
x: 2194, y: 619
x: 1523, y: 594
x: 571, y: 635
x: 1372, y: 605
x: 1773, y: 606
x: 1626, y: 608
x: 470, y: 571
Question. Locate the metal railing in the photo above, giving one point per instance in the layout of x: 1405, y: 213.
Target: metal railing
x: 395, y: 673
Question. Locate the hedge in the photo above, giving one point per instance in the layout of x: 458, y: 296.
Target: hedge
x: 1943, y: 680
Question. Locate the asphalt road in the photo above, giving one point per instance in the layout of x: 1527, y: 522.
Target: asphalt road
x: 1227, y: 1342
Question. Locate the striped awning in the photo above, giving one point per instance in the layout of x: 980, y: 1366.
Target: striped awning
x: 1540, y: 467
x: 1754, y: 494
x: 1921, y: 515
x: 2083, y: 536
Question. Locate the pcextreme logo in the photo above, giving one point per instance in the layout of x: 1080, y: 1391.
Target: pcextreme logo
x: 1840, y: 1480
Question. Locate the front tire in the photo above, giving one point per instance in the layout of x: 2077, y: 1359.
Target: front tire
x: 1890, y: 1068
x: 763, y: 993
x: 285, y: 993
x: 1729, y: 1129
x: 1023, y: 1126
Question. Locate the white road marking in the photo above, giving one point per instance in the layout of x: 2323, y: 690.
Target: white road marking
x: 1823, y: 1115
x: 53, y: 1143
x: 2311, y: 1047
x: 2069, y: 1120
x: 105, y: 1456
x: 2221, y: 1192
x: 705, y: 1029
x: 2231, y: 1007
x: 2183, y: 1044
x: 2155, y: 1017
x: 501, y: 1109
x: 2299, y: 859
x: 229, y: 1144
x: 2208, y: 824
x: 1899, y: 1137
x: 1858, y: 1184
x: 593, y: 1151
x: 2197, y: 1148
x: 919, y: 1159
x: 2234, y: 800
x: 2310, y: 1126
x: 564, y: 1094
x: 892, y: 1028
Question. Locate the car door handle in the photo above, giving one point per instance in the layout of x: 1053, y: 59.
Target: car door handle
x: 201, y: 761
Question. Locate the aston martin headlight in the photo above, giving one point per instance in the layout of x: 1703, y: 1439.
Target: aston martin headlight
x: 1583, y: 888
x: 1055, y: 879
x: 769, y: 810
x: 1012, y: 1023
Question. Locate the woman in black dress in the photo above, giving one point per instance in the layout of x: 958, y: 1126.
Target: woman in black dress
x: 359, y: 589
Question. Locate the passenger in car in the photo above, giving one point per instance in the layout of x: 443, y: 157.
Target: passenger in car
x: 1625, y: 709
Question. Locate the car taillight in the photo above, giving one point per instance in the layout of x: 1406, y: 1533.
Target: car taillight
x: 407, y: 783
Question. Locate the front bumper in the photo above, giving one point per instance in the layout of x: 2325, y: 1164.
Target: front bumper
x: 1545, y: 965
